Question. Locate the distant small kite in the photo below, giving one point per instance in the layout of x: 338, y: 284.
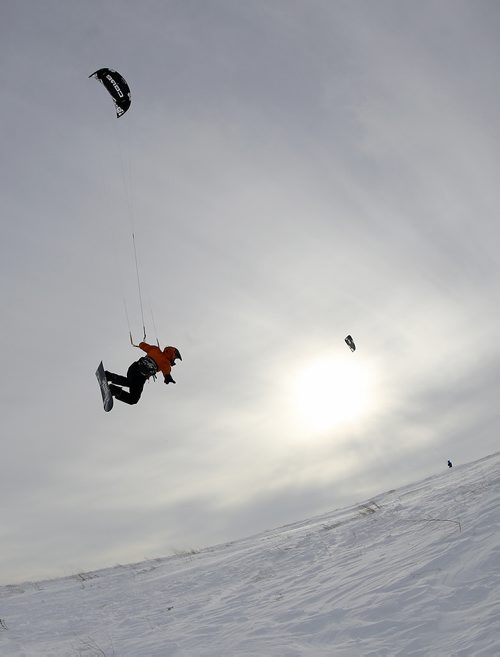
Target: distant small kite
x: 350, y: 343
x: 116, y: 86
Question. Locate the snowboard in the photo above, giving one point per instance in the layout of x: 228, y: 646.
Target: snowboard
x: 107, y: 397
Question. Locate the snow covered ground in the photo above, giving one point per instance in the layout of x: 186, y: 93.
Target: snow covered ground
x: 412, y: 572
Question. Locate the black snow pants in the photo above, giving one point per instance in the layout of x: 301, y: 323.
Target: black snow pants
x: 134, y: 381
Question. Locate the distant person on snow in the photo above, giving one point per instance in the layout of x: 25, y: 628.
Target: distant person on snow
x: 156, y: 360
x: 450, y: 464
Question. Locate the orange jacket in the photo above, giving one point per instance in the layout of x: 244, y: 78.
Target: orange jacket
x: 162, y: 358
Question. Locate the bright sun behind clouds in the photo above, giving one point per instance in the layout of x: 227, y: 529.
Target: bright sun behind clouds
x: 334, y: 391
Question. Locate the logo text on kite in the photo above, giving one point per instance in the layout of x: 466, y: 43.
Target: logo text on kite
x: 115, y: 85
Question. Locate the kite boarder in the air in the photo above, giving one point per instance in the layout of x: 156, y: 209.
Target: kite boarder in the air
x: 156, y: 360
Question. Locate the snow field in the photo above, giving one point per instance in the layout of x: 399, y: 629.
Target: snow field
x: 411, y: 573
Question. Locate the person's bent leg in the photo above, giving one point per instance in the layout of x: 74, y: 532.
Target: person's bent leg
x: 122, y: 395
x: 136, y: 386
x: 116, y: 378
x: 135, y: 382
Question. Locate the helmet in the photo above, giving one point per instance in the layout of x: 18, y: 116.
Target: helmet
x: 173, y: 353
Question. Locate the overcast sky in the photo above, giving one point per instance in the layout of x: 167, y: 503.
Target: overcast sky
x: 294, y: 171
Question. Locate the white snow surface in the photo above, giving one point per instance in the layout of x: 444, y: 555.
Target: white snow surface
x: 411, y: 572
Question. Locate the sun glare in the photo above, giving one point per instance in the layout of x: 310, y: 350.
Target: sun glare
x: 334, y: 391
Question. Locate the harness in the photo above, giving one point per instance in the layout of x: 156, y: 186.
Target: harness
x: 147, y: 367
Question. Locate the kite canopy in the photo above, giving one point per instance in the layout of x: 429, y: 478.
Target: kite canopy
x: 350, y: 343
x: 116, y: 86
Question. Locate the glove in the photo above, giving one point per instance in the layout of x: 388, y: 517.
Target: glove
x: 168, y: 379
